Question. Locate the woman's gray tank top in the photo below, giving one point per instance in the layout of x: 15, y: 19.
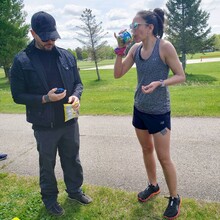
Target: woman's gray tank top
x: 149, y: 70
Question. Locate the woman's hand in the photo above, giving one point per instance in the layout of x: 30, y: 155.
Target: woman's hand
x: 119, y: 39
x: 150, y: 87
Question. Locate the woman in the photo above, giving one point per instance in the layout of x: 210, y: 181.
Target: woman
x: 153, y: 57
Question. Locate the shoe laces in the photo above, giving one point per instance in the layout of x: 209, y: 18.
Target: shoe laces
x: 151, y: 186
x: 171, y: 200
x: 148, y: 187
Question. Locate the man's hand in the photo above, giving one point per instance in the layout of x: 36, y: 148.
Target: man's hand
x: 74, y: 100
x: 52, y: 96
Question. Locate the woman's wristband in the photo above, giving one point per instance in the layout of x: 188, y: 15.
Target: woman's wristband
x: 120, y: 51
x: 162, y: 84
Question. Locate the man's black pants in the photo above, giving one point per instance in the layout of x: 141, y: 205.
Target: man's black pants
x: 66, y: 141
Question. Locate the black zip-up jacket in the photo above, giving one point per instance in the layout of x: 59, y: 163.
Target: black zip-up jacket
x: 28, y: 83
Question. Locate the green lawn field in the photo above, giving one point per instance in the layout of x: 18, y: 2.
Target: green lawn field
x: 198, y: 96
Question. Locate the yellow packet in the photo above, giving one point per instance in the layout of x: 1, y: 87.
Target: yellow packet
x: 69, y: 112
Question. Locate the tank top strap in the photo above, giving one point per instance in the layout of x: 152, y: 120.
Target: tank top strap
x: 156, y: 48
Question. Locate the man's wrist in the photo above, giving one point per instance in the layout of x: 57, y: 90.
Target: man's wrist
x: 46, y: 98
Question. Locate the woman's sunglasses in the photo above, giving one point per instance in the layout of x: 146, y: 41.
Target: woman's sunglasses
x: 135, y: 25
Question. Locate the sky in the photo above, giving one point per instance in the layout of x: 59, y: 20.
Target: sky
x: 115, y: 15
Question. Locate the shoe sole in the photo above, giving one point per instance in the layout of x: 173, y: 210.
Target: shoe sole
x: 178, y: 213
x: 149, y: 197
x: 3, y: 158
x: 75, y: 200
x: 56, y: 215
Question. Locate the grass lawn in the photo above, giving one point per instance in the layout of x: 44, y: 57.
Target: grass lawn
x: 20, y: 197
x: 204, y: 55
x: 198, y: 96
x: 89, y: 64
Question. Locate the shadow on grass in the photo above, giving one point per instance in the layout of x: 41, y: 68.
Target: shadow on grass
x: 97, y: 83
x: 70, y: 211
x: 199, y: 79
x: 147, y: 210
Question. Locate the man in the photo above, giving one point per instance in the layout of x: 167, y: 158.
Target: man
x: 3, y: 156
x: 36, y: 75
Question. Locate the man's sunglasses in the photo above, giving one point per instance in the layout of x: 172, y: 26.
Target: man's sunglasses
x: 49, y: 39
x: 135, y: 25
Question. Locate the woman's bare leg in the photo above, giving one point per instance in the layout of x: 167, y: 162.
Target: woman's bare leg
x: 146, y: 142
x: 162, y: 147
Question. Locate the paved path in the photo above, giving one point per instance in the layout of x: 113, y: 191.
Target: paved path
x: 111, y: 155
x: 204, y: 60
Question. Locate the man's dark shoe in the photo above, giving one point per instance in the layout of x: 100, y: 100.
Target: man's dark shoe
x: 3, y: 156
x: 56, y: 209
x: 173, y: 209
x: 148, y: 193
x: 80, y: 198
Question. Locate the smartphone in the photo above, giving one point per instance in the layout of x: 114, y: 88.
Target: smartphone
x: 59, y: 90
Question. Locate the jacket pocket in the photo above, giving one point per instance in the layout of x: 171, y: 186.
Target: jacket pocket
x: 41, y: 115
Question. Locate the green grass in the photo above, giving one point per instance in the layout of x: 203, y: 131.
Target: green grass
x: 6, y: 103
x: 20, y: 197
x: 89, y: 64
x: 206, y: 54
x: 198, y: 96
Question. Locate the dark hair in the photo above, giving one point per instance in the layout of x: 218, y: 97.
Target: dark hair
x: 155, y: 17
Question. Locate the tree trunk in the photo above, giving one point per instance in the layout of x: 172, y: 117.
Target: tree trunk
x: 183, y: 60
x: 97, y: 70
x: 6, y: 70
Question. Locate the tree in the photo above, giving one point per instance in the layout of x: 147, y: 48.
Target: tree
x: 187, y: 27
x: 216, y: 40
x: 72, y: 52
x: 79, y: 53
x: 106, y: 52
x: 91, y: 36
x: 85, y: 55
x: 13, y: 31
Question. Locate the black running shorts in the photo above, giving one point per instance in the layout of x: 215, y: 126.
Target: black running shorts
x: 150, y: 122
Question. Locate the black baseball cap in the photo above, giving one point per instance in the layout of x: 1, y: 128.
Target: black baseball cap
x: 44, y: 25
